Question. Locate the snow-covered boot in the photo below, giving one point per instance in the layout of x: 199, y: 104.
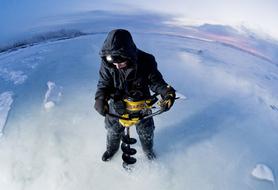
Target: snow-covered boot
x: 145, y: 130
x: 147, y: 146
x: 112, y: 145
x: 107, y: 155
x: 150, y: 155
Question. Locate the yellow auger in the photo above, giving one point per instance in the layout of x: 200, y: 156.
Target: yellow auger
x: 133, y: 107
x: 136, y: 111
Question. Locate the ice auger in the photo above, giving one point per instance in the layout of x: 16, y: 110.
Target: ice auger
x: 136, y: 111
x: 128, y: 152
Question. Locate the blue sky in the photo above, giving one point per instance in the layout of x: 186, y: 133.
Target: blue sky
x: 258, y: 15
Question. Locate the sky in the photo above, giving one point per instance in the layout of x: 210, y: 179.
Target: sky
x: 258, y: 15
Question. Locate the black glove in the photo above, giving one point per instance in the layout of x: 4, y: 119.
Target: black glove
x: 168, y: 99
x: 101, y: 105
x: 120, y: 107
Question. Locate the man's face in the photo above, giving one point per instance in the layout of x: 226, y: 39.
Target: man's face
x: 118, y: 61
x: 120, y: 65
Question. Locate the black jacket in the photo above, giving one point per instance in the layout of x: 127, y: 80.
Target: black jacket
x: 137, y: 79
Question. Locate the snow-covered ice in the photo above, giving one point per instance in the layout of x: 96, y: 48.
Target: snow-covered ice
x: 17, y: 77
x: 6, y: 101
x: 53, y: 95
x: 226, y: 126
x: 263, y: 172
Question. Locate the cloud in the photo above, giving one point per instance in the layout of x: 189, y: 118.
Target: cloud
x: 255, y: 14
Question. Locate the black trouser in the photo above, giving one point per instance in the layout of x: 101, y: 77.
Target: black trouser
x: 145, y: 130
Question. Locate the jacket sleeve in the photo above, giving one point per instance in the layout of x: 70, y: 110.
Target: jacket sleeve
x: 157, y: 83
x: 104, y: 85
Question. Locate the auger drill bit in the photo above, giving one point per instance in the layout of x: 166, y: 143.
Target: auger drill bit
x: 127, y: 150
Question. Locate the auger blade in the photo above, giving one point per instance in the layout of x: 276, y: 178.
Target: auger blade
x: 127, y: 140
x: 127, y: 150
x: 128, y: 159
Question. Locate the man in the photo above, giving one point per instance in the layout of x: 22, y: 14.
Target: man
x: 127, y: 72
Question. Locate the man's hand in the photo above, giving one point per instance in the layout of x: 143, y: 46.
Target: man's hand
x: 168, y: 99
x: 101, y: 106
x: 120, y: 107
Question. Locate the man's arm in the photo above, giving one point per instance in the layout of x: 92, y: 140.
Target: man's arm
x: 157, y: 83
x: 103, y: 91
x: 104, y: 85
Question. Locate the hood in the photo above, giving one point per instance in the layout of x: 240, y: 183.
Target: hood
x: 119, y: 42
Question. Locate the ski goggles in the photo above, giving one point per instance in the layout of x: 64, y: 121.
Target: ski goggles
x: 115, y: 59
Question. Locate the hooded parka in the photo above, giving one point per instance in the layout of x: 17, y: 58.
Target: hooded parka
x: 137, y: 79
x: 134, y: 81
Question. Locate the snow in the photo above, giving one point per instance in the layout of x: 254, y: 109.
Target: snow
x: 6, y: 101
x: 226, y: 126
x: 52, y: 96
x: 17, y: 77
x: 263, y: 172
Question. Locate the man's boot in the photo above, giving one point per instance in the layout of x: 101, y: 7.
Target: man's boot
x: 112, y: 145
x: 151, y: 155
x: 148, y: 151
x: 147, y: 145
x: 145, y: 130
x: 107, y: 155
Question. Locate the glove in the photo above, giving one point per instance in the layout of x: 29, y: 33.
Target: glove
x: 120, y: 107
x: 101, y: 106
x: 169, y: 99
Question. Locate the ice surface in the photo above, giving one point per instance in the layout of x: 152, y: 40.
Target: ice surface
x: 53, y: 95
x: 263, y: 172
x: 209, y: 141
x: 6, y: 101
x: 17, y: 77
